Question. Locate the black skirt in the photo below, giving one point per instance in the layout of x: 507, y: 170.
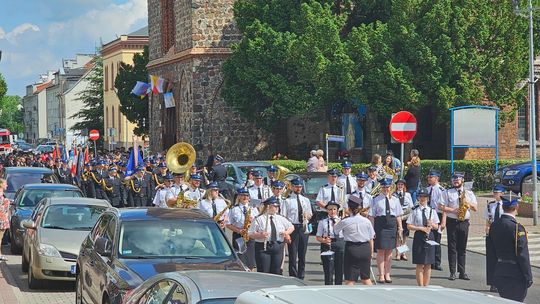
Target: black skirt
x: 385, y: 232
x: 248, y: 257
x: 422, y: 252
x: 357, y: 261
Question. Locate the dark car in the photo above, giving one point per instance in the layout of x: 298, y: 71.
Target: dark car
x: 19, y: 176
x: 512, y: 177
x: 312, y: 182
x: 24, y: 203
x: 192, y: 286
x: 128, y: 246
x: 237, y: 171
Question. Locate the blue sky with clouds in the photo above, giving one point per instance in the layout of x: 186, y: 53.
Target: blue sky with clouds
x: 35, y: 35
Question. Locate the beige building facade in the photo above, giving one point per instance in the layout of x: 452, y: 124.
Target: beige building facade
x: 119, y: 50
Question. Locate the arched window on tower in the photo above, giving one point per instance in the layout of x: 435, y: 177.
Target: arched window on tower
x: 168, y: 28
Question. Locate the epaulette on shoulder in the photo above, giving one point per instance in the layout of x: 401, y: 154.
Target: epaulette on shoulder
x: 325, y: 185
x: 442, y: 188
x: 415, y: 207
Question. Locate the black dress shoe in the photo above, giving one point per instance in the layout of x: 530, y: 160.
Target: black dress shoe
x: 493, y: 289
x: 464, y: 276
x: 452, y: 277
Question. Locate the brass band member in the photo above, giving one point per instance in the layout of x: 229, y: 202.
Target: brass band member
x: 240, y: 219
x: 365, y: 198
x: 158, y: 178
x: 160, y: 199
x: 259, y: 192
x: 270, y: 231
x: 373, y: 180
x: 347, y: 180
x: 139, y: 192
x: 386, y: 213
x: 272, y: 175
x: 405, y: 199
x: 330, y: 192
x: 436, y: 196
x: 297, y: 209
x: 213, y: 204
x: 456, y: 205
x: 331, y: 241
x: 358, y: 234
x: 493, y: 213
x: 195, y: 192
x: 423, y: 220
x: 96, y: 177
x: 116, y: 192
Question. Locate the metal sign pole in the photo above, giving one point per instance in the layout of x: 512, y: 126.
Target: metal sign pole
x: 532, y: 121
x: 402, y: 163
x: 95, y: 150
x: 327, y: 156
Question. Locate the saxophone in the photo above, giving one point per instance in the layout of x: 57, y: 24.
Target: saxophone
x: 247, y: 224
x: 218, y: 216
x: 463, y: 207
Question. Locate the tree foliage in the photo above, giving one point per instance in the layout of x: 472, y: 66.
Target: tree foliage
x: 91, y: 115
x: 297, y: 56
x: 11, y: 114
x: 3, y: 86
x: 134, y: 108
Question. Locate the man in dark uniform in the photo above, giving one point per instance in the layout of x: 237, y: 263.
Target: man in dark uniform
x: 139, y: 189
x: 59, y: 171
x: 116, y: 192
x: 493, y: 213
x: 158, y: 178
x: 87, y: 185
x: 96, y: 176
x: 508, y: 254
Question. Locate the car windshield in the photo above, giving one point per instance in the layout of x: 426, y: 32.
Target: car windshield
x: 71, y: 217
x: 17, y: 180
x: 178, y: 238
x: 313, y: 184
x: 30, y: 198
x: 245, y: 170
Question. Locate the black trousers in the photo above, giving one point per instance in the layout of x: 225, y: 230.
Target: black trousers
x: 297, y: 251
x: 269, y: 260
x: 333, y: 264
x: 437, y: 238
x: 457, y: 233
x: 511, y: 288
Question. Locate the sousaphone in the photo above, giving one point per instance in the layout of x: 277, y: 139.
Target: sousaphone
x: 180, y: 157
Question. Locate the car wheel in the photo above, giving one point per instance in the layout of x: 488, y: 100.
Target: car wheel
x: 33, y: 283
x: 13, y: 247
x: 527, y: 179
x: 24, y: 264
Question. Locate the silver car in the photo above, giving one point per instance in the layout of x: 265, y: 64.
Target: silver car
x: 203, y: 286
x: 54, y: 236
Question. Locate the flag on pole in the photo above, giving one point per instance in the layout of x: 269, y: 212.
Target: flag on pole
x: 140, y: 89
x: 156, y: 84
x: 133, y: 161
x: 169, y: 100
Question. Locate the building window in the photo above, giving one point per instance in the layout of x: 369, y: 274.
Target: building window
x: 119, y: 122
x: 113, y: 117
x: 106, y: 118
x: 168, y: 28
x: 112, y: 76
x: 522, y: 123
x: 106, y: 80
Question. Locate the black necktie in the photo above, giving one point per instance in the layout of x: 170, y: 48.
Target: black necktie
x: 401, y: 199
x: 497, y: 212
x: 387, y: 207
x: 348, y: 185
x: 372, y: 185
x: 424, y: 218
x: 333, y: 223
x: 259, y: 196
x: 333, y: 197
x: 429, y: 200
x: 361, y: 199
x: 214, y: 209
x: 300, y: 211
x: 273, y: 232
x: 245, y: 210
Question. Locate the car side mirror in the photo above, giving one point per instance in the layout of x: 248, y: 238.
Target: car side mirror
x: 103, y: 247
x: 28, y: 224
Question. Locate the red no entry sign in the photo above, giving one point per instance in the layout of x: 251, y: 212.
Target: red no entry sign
x: 93, y: 135
x: 403, y: 127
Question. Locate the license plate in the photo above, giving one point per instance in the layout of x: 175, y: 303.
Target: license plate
x: 73, y: 269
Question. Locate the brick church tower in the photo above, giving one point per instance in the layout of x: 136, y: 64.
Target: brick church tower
x: 188, y: 42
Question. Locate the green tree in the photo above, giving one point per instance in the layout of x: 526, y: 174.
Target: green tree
x: 11, y: 114
x: 91, y: 115
x: 134, y: 108
x: 3, y: 86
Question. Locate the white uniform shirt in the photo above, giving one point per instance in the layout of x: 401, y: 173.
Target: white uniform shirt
x: 452, y: 201
x: 342, y: 180
x: 370, y: 184
x: 325, y: 194
x: 436, y: 196
x: 160, y: 199
x: 415, y: 218
x: 290, y: 208
x: 237, y: 215
x: 195, y: 194
x: 367, y: 199
x: 407, y: 201
x: 378, y: 208
x: 262, y: 223
x: 206, y: 206
x: 326, y: 228
x: 491, y: 208
x: 355, y: 229
x: 266, y: 192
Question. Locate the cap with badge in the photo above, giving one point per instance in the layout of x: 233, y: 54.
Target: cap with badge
x: 346, y: 165
x: 372, y: 168
x: 385, y: 182
x: 168, y: 177
x: 354, y: 202
x: 271, y: 201
x: 278, y: 184
x: 333, y: 172
x: 196, y: 177
x: 296, y: 182
x: 458, y: 175
x: 242, y: 191
x: 422, y: 192
x: 401, y: 181
x: 508, y: 203
x: 257, y: 174
x: 272, y: 169
x: 498, y: 189
x: 434, y: 172
x: 162, y: 165
x: 332, y: 203
x: 112, y: 168
x: 140, y: 169
x: 362, y: 176
x: 213, y: 186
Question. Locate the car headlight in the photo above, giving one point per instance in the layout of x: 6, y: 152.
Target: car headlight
x: 511, y: 172
x: 48, y: 250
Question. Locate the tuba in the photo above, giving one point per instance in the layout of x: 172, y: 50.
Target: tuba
x: 180, y: 157
x: 463, y: 207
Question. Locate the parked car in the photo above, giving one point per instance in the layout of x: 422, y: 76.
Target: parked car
x: 128, y: 246
x: 312, y: 182
x: 192, y: 286
x: 24, y: 203
x: 381, y: 294
x: 41, y: 149
x: 237, y: 171
x: 54, y: 236
x: 512, y: 177
x: 19, y: 176
x: 24, y: 147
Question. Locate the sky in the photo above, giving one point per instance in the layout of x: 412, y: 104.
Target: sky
x: 35, y: 35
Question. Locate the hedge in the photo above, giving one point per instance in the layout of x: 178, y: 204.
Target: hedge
x: 480, y: 171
